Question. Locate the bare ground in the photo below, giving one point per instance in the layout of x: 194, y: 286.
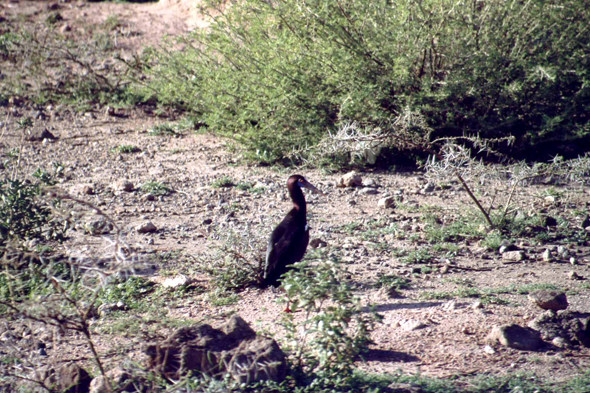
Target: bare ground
x: 453, y: 339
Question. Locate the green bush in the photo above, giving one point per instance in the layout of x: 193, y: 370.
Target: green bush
x: 335, y: 330
x: 23, y: 215
x: 278, y: 75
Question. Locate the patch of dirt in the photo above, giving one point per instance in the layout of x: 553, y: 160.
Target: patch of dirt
x: 453, y: 339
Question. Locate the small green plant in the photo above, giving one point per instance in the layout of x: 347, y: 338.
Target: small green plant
x: 130, y: 291
x: 335, y: 329
x: 392, y: 281
x: 224, y: 181
x: 155, y: 188
x: 417, y: 256
x: 125, y: 149
x: 112, y: 22
x: 221, y: 298
x: 164, y: 129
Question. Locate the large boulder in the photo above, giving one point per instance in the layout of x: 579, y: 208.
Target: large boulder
x: 72, y: 378
x: 234, y: 348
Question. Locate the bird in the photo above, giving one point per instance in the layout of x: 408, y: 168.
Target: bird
x: 288, y: 241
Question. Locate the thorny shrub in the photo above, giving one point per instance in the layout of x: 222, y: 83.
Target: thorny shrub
x: 282, y: 74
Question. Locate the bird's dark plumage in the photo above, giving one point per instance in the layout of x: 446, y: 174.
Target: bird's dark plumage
x: 288, y: 241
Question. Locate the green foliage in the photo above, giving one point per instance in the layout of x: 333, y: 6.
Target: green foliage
x: 224, y: 181
x: 24, y: 215
x: 335, y: 329
x: 130, y: 291
x: 419, y: 255
x: 275, y: 75
x: 392, y: 281
x: 123, y: 149
x: 26, y: 276
x: 155, y: 188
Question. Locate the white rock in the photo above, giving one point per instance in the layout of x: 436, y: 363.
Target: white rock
x: 351, y: 179
x: 175, y: 282
x: 412, y: 324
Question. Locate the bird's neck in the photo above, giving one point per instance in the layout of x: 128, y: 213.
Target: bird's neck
x: 299, y: 204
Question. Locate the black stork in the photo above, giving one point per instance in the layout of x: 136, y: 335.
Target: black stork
x: 288, y: 241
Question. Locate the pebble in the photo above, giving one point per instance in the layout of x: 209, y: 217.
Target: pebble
x: 572, y: 275
x: 146, y: 227
x: 516, y: 336
x: 368, y: 191
x: 428, y: 188
x: 386, y: 203
x: 124, y: 185
x: 412, y: 324
x: 549, y: 300
x: 351, y: 179
x: 513, y: 256
x: 175, y: 282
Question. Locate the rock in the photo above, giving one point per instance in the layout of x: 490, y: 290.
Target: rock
x: 351, y: 179
x: 550, y: 199
x: 549, y: 300
x: 389, y: 293
x: 233, y: 349
x: 149, y: 197
x: 450, y: 305
x: 207, y: 221
x: 65, y: 28
x: 573, y: 327
x: 428, y: 188
x: 71, y: 378
x: 122, y: 382
x: 317, y: 243
x: 37, y: 135
x: 572, y: 275
x: 546, y: 256
x: 560, y: 342
x: 88, y: 190
x: 489, y: 350
x: 386, y: 203
x: 549, y: 221
x: 516, y: 336
x: 412, y: 324
x: 107, y: 308
x: 563, y: 252
x: 124, y: 185
x: 477, y: 305
x: 98, y: 226
x: 175, y: 282
x: 146, y: 227
x: 370, y: 183
x: 399, y: 387
x: 506, y: 246
x: 513, y: 256
x: 368, y: 191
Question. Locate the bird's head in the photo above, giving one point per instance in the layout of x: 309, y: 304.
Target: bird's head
x: 301, y: 182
